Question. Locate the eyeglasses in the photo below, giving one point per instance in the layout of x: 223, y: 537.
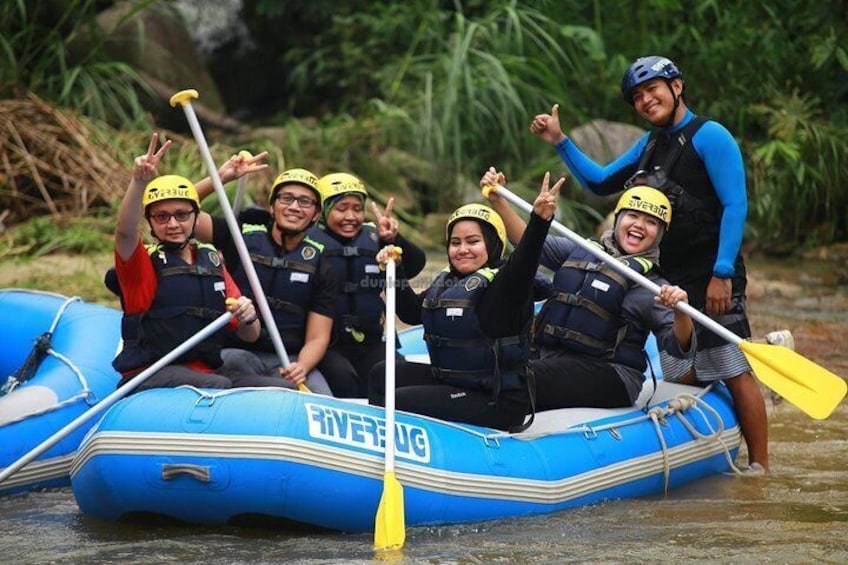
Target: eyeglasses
x: 287, y: 199
x: 164, y: 217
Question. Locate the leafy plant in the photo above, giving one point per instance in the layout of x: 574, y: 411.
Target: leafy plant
x: 55, y: 49
x: 798, y: 173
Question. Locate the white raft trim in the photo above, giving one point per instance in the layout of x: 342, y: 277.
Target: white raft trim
x: 422, y: 477
x: 41, y: 470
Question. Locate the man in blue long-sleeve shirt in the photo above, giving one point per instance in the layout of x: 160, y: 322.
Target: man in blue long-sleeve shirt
x: 701, y: 252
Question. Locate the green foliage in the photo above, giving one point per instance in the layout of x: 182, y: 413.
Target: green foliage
x: 798, y: 173
x: 419, y: 97
x: 44, y: 235
x: 55, y: 49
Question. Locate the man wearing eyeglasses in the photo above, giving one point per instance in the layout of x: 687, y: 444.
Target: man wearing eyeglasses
x: 171, y: 290
x: 299, y: 285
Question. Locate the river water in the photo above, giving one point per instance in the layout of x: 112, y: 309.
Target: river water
x: 797, y: 514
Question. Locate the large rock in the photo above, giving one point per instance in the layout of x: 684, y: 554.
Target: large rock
x: 156, y: 43
x: 603, y: 141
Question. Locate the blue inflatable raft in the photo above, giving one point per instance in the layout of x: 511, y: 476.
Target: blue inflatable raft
x: 55, y: 364
x: 216, y: 457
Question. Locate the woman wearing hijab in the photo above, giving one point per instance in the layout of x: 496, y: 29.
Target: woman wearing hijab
x: 591, y: 335
x: 476, y: 316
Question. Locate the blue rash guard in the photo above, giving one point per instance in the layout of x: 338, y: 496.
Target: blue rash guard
x: 722, y: 159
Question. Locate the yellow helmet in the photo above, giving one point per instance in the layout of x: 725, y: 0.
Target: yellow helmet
x: 169, y: 187
x: 648, y: 200
x: 297, y: 176
x: 337, y: 184
x: 481, y: 213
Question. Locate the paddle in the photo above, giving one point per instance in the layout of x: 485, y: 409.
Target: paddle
x: 119, y: 393
x: 184, y: 98
x: 239, y: 197
x: 389, y: 525
x: 810, y: 387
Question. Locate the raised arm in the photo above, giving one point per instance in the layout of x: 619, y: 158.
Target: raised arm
x: 234, y: 168
x: 145, y: 169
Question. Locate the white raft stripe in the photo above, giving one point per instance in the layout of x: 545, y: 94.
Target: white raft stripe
x: 40, y: 471
x: 411, y: 475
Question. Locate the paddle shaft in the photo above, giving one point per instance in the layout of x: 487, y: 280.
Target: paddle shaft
x: 623, y: 269
x: 119, y: 393
x: 391, y: 300
x: 232, y: 224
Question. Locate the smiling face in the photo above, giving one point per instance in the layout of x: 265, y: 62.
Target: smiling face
x: 467, y: 247
x: 654, y: 100
x: 294, y: 208
x: 346, y: 216
x: 636, y: 232
x: 172, y: 221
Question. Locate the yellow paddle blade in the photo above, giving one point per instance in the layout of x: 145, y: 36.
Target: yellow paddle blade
x: 390, y: 526
x: 809, y: 386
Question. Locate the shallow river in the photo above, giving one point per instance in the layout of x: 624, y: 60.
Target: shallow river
x: 798, y: 514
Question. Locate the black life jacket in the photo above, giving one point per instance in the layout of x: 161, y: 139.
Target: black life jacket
x: 460, y: 353
x: 188, y: 297
x: 359, y: 307
x: 288, y: 279
x: 585, y: 315
x: 671, y: 165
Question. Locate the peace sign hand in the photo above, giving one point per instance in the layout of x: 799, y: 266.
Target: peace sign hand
x: 145, y: 166
x: 242, y: 164
x: 387, y: 226
x: 545, y: 204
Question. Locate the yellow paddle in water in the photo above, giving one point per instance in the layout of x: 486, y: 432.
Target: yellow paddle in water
x: 390, y: 526
x: 810, y: 387
x: 184, y: 98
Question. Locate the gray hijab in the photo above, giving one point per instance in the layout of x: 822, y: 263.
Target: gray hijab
x: 612, y: 247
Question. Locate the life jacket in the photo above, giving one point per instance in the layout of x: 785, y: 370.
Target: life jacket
x: 460, y: 353
x: 359, y: 307
x: 585, y: 315
x: 671, y: 165
x: 188, y: 297
x: 288, y: 281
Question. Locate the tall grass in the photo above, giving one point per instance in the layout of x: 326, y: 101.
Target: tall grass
x: 56, y: 49
x: 468, y: 86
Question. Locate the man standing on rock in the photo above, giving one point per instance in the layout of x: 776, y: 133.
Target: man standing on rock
x: 697, y: 163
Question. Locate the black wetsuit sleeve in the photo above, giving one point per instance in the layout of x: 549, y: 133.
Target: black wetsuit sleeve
x: 408, y: 307
x: 414, y: 258
x: 506, y: 307
x: 223, y: 240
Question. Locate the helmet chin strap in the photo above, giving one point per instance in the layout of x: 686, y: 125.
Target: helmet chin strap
x: 676, y: 98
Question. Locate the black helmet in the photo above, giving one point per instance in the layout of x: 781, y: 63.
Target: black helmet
x: 645, y: 69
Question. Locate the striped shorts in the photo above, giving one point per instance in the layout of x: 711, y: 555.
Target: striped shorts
x: 715, y: 359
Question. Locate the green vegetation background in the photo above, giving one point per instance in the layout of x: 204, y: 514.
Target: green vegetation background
x: 418, y: 97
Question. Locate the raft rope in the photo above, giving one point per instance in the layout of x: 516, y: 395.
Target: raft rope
x: 43, y: 347
x: 677, y: 406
